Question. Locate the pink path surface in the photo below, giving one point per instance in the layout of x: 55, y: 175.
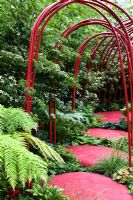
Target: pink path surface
x: 88, y: 186
x: 112, y: 116
x: 88, y: 155
x: 106, y: 133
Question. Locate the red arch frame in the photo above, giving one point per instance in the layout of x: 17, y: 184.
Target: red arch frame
x: 84, y: 45
x: 36, y: 36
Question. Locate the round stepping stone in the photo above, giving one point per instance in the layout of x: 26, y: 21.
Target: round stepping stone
x: 88, y: 155
x: 112, y: 116
x: 106, y: 133
x: 90, y: 186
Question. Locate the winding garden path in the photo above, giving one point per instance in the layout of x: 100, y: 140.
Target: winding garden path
x: 92, y: 186
x: 106, y: 133
x: 112, y: 116
x: 89, y: 155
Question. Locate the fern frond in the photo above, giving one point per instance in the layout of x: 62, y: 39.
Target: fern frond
x: 10, y: 163
x: 20, y: 139
x: 22, y: 169
x: 45, y: 150
x: 15, y: 119
x: 19, y: 164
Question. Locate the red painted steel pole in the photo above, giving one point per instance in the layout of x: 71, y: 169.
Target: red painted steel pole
x: 50, y: 122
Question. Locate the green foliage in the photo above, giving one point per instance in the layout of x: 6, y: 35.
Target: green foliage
x: 121, y: 144
x: 123, y: 110
x: 114, y: 106
x: 87, y: 139
x: 52, y: 81
x: 18, y: 164
x: 15, y: 119
x: 12, y: 58
x: 71, y: 163
x: 109, y: 165
x: 47, y: 193
x: 68, y: 126
x: 11, y: 92
x: 44, y: 149
x: 122, y: 125
x: 125, y: 176
x: 71, y: 125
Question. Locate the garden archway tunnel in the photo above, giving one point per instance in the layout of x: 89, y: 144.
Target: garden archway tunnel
x: 121, y: 35
x: 83, y: 46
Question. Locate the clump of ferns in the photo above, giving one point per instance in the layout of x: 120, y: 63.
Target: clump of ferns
x: 17, y: 163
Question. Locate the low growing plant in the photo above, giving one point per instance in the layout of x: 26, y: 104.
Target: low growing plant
x: 47, y: 193
x: 86, y: 139
x: 109, y: 165
x: 122, y: 125
x: 125, y: 176
x: 71, y: 163
x: 121, y: 144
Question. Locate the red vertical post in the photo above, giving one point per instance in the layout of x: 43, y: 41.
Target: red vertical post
x: 55, y: 139
x: 50, y: 122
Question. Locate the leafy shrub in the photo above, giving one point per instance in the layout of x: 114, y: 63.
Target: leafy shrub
x: 39, y: 192
x: 56, y: 80
x: 114, y: 106
x: 71, y: 125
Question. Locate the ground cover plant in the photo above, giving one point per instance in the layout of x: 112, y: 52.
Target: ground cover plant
x: 125, y: 176
x: 71, y: 163
x: 121, y: 125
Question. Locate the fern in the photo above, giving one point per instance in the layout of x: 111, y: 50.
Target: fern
x: 19, y: 164
x: 45, y: 150
x: 15, y: 119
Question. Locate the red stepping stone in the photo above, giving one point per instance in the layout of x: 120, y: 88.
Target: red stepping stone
x: 90, y: 186
x: 88, y: 155
x: 112, y: 116
x: 106, y: 133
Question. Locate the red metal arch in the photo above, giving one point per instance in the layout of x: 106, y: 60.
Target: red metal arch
x: 55, y: 8
x: 77, y: 63
x: 108, y: 50
x: 82, y: 48
x: 103, y: 23
x: 45, y: 17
